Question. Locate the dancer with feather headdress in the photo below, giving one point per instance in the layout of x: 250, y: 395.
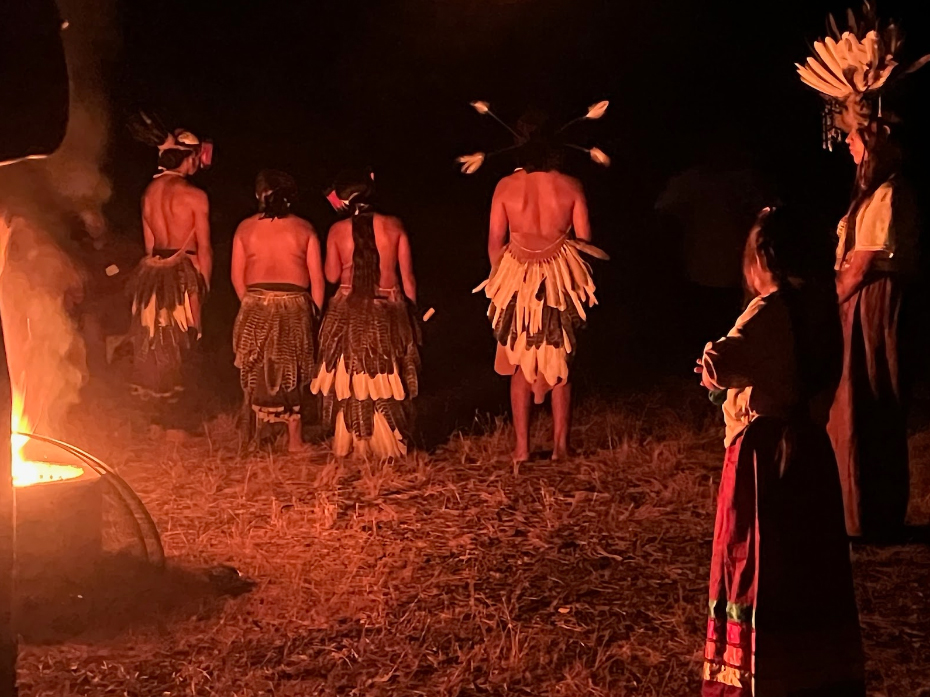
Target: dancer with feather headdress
x: 875, y: 260
x: 170, y: 283
x: 277, y: 271
x: 369, y: 356
x: 540, y: 284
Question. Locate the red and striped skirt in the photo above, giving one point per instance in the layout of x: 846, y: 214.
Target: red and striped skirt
x: 783, y: 619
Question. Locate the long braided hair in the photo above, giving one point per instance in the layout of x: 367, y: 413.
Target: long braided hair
x: 357, y: 187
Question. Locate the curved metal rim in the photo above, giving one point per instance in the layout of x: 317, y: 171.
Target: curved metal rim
x: 129, y: 497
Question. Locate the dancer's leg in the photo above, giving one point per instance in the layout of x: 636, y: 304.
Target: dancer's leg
x: 520, y: 402
x: 561, y: 420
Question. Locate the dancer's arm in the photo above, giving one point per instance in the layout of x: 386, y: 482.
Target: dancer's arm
x: 237, y: 271
x: 201, y: 206
x: 405, y: 262
x: 148, y: 235
x: 497, y: 234
x: 333, y: 265
x: 580, y: 220
x: 315, y: 269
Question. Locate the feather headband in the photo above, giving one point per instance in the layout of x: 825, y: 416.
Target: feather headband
x: 852, y: 69
x: 152, y: 132
x: 472, y: 163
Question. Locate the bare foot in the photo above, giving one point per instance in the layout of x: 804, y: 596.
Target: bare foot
x: 520, y: 455
x: 298, y: 447
x: 561, y: 454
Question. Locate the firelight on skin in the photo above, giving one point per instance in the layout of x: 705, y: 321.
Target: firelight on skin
x: 856, y: 147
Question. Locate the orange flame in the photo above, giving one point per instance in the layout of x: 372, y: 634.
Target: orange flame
x: 29, y: 472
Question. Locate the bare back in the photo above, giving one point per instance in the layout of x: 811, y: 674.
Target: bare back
x: 167, y: 212
x: 537, y: 208
x: 277, y: 250
x: 175, y: 214
x: 393, y: 250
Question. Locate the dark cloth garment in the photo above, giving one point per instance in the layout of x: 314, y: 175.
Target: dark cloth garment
x: 783, y: 619
x: 868, y: 419
x: 274, y: 341
x: 167, y: 293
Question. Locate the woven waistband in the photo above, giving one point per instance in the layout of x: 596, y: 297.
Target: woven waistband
x: 286, y: 288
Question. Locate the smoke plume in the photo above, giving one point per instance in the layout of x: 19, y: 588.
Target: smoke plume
x: 45, y: 203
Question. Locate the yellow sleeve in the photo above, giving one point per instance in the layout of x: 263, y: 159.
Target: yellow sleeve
x: 873, y: 223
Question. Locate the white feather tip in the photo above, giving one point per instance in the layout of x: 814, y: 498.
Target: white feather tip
x: 596, y: 111
x: 599, y: 156
x: 471, y: 163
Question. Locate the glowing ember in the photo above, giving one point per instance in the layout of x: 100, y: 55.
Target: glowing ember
x: 28, y: 472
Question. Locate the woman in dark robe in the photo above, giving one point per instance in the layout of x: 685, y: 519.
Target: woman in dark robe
x: 877, y: 252
x: 875, y: 258
x: 783, y: 619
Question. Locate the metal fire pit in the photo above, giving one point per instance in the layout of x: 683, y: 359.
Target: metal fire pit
x: 59, y: 529
x: 61, y: 524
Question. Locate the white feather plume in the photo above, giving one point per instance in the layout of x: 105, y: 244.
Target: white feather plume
x: 599, y: 156
x: 471, y: 163
x: 596, y: 111
x: 848, y: 67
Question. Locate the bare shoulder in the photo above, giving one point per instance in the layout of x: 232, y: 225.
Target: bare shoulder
x: 194, y: 194
x: 570, y: 182
x: 339, y: 229
x: 305, y: 227
x: 391, y: 224
x: 509, y: 182
x: 246, y: 226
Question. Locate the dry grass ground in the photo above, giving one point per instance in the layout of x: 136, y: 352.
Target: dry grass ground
x: 455, y: 574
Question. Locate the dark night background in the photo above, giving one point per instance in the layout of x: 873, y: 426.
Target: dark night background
x: 312, y: 86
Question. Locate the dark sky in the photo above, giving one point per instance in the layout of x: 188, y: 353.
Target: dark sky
x: 310, y: 86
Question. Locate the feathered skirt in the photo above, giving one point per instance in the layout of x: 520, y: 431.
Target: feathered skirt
x: 369, y: 363
x: 167, y: 291
x: 537, y: 305
x: 273, y: 339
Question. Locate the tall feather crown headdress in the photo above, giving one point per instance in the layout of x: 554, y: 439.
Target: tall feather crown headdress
x: 471, y: 163
x: 852, y: 69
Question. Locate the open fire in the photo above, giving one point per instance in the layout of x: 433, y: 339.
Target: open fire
x: 28, y: 472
